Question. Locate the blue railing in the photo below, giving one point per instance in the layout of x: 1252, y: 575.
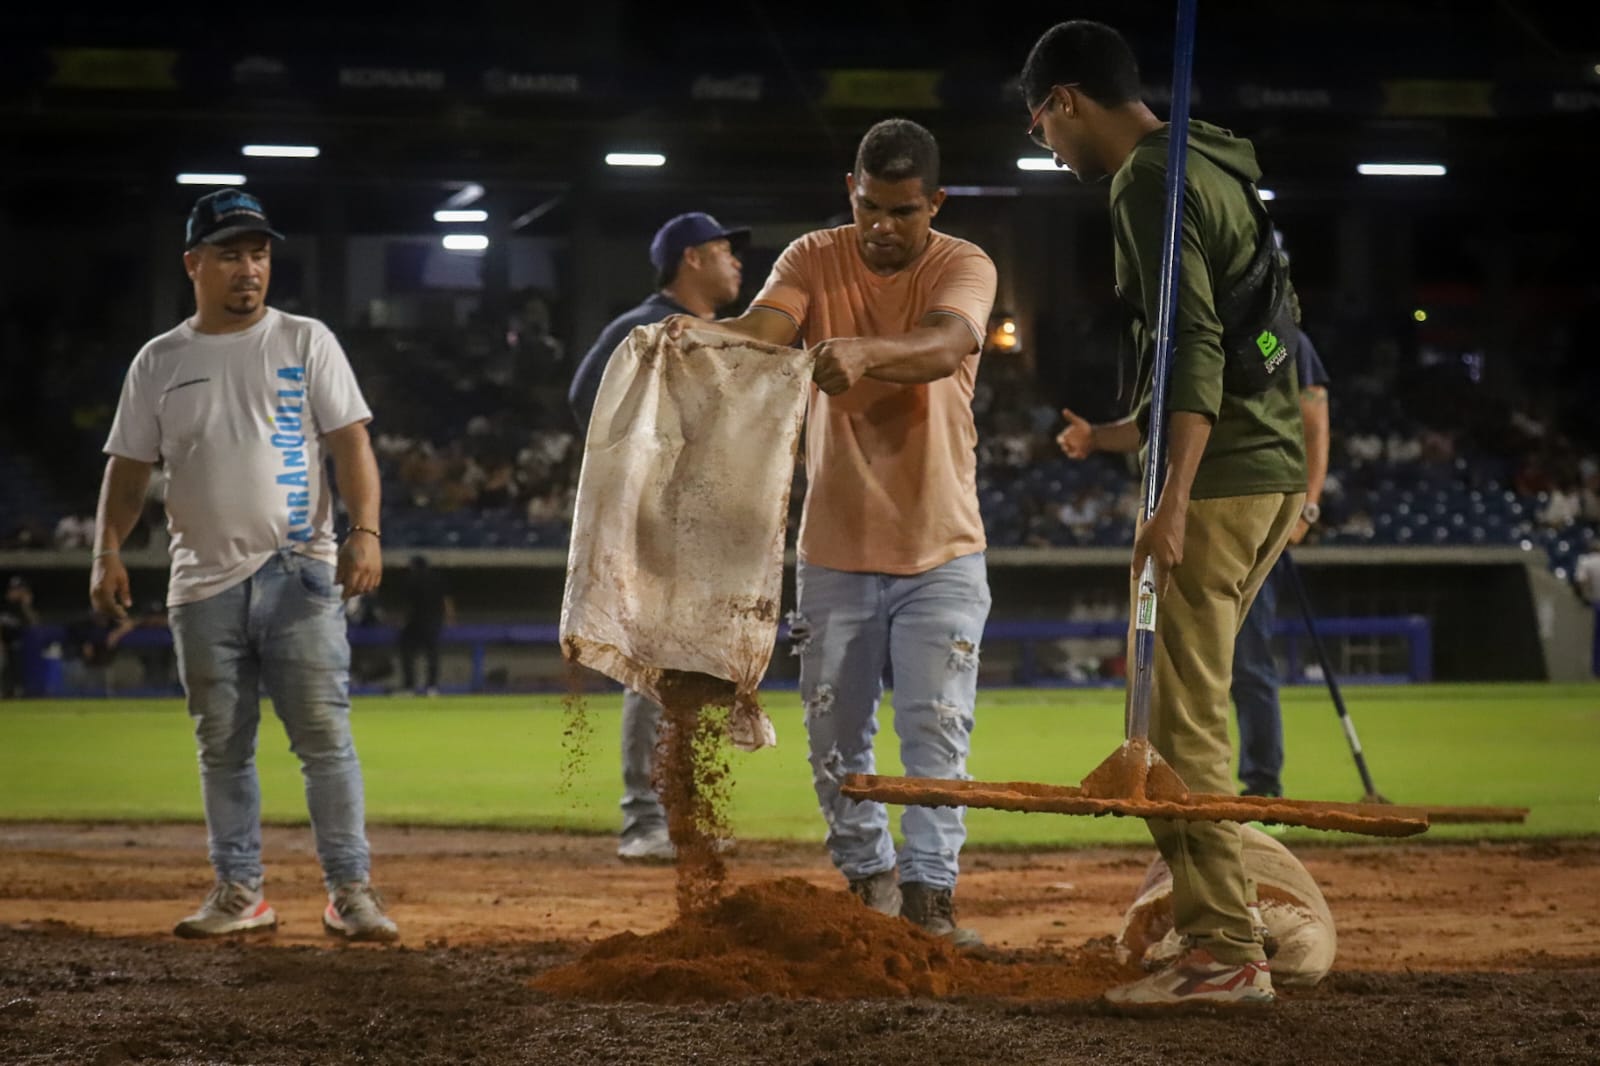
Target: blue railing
x: 43, y: 674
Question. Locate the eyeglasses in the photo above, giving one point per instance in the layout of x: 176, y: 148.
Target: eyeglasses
x: 1038, y: 116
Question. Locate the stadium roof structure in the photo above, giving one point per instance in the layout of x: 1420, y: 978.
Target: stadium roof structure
x: 758, y: 100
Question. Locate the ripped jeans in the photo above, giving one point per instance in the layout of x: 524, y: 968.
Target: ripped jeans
x: 926, y: 628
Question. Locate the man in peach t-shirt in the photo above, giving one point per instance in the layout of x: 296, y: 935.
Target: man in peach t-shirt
x: 891, y: 569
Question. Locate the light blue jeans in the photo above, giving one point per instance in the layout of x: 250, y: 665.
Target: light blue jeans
x: 642, y: 812
x: 926, y: 628
x: 281, y: 631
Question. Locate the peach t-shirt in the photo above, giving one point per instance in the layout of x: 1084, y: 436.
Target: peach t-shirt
x: 891, y: 469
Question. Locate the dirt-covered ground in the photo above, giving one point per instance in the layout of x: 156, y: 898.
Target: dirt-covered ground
x: 1447, y: 954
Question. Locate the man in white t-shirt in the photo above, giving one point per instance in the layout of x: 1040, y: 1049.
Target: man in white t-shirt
x: 241, y: 404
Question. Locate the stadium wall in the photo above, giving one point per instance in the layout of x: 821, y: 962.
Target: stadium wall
x: 1497, y: 613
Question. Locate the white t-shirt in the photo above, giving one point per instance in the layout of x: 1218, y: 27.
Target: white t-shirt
x: 237, y: 419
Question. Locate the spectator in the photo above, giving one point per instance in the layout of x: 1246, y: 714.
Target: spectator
x: 429, y: 609
x: 1083, y: 511
x: 156, y: 661
x: 17, y: 616
x: 1589, y: 498
x: 74, y: 531
x: 1562, y: 509
x: 500, y: 489
x: 91, y: 642
x: 1586, y: 577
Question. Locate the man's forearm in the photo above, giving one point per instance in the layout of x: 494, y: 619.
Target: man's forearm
x: 1314, y: 415
x: 121, y: 502
x: 1122, y: 436
x: 1187, y: 434
x: 355, y: 469
x: 758, y: 324
x: 927, y: 353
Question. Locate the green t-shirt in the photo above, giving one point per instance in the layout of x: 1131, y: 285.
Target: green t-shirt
x: 1257, y: 443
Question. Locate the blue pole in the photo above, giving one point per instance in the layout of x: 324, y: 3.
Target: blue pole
x: 1166, y: 313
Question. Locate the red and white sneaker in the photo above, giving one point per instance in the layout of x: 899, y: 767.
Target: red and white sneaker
x: 355, y: 912
x: 230, y: 907
x: 1195, y: 979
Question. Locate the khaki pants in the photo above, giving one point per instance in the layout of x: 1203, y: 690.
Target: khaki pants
x: 1229, y: 545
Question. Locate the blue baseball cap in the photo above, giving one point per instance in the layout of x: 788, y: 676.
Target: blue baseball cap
x: 688, y: 230
x: 223, y: 215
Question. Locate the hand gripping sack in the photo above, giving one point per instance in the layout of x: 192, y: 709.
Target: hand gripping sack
x: 676, y: 564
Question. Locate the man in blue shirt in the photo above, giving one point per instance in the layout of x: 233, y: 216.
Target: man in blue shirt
x: 1255, y: 671
x: 697, y: 272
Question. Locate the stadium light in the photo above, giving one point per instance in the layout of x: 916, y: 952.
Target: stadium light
x: 282, y: 151
x: 635, y: 159
x: 982, y: 190
x: 1037, y: 162
x: 465, y: 242
x: 188, y: 178
x: 1401, y: 170
x: 445, y: 214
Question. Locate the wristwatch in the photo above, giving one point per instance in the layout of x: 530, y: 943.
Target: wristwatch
x: 1310, y: 513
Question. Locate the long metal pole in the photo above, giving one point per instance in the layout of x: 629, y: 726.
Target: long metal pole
x: 1166, y: 315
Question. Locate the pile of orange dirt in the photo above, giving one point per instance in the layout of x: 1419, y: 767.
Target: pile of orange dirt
x: 792, y: 940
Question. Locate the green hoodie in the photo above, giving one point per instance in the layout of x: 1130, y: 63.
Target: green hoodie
x: 1257, y: 443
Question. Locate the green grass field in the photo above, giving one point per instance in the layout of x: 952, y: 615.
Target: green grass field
x: 500, y: 760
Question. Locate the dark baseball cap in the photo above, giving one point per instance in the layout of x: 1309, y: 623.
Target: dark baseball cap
x: 223, y: 215
x: 686, y: 231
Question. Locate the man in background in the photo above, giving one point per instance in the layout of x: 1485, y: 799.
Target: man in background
x: 17, y: 616
x: 1255, y: 669
x: 698, y: 272
x: 429, y: 609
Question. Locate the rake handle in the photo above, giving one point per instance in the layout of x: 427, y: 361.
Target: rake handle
x: 1345, y: 720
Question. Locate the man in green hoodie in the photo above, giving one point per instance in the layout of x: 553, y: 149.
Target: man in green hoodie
x: 1235, y: 479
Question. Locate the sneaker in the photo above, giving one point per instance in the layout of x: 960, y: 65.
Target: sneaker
x: 652, y: 846
x: 880, y: 892
x: 230, y: 907
x: 1165, y: 952
x: 934, y: 909
x: 355, y: 912
x: 1196, y: 979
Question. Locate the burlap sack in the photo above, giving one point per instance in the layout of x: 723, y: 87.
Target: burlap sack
x: 1292, y: 909
x: 677, y: 538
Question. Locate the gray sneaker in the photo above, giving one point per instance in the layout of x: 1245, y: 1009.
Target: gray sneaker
x: 880, y: 892
x: 355, y: 912
x: 934, y: 910
x: 653, y: 845
x: 230, y: 907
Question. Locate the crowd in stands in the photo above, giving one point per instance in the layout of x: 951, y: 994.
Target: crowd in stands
x: 478, y: 449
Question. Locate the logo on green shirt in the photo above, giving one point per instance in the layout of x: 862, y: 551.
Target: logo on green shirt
x: 1272, y: 349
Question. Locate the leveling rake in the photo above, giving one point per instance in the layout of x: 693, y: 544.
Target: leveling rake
x: 1135, y: 780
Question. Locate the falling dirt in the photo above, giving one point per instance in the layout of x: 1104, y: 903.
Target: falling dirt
x: 692, y: 778
x: 789, y: 939
x: 577, y: 732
